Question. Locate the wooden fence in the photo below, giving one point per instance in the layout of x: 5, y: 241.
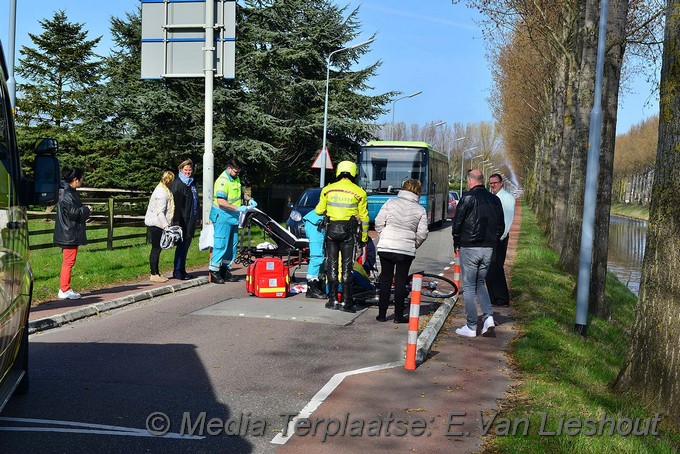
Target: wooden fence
x: 112, y: 209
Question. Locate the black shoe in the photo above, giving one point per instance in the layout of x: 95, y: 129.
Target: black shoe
x: 215, y: 277
x: 330, y: 305
x: 381, y: 318
x: 227, y: 276
x: 187, y: 276
x: 400, y: 319
x: 179, y: 275
x: 347, y: 308
x: 314, y: 291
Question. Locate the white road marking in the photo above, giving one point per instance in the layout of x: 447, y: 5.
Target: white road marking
x: 323, y: 393
x: 85, y: 428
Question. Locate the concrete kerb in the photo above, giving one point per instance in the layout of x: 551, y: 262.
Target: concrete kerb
x: 56, y: 321
x: 424, y: 343
x: 429, y: 334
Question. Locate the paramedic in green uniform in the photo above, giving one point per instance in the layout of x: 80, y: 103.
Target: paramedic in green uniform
x: 228, y: 200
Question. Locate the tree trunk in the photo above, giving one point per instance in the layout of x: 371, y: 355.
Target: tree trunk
x: 654, y: 362
x: 569, y: 255
x: 616, y: 39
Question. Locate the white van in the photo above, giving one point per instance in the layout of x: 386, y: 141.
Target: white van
x: 16, y: 277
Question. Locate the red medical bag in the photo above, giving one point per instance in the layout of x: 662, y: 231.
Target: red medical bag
x: 268, y: 277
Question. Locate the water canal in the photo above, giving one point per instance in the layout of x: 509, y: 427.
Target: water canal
x: 627, y: 238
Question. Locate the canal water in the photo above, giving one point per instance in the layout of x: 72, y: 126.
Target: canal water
x: 627, y: 239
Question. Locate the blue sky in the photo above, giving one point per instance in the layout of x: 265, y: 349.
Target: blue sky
x: 431, y: 46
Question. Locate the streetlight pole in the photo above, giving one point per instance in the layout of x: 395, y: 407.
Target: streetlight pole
x: 322, y: 179
x: 472, y: 160
x: 462, y: 163
x: 393, y: 105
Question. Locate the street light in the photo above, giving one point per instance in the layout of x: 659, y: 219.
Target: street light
x: 322, y: 180
x: 462, y: 163
x: 395, y: 102
x: 472, y: 164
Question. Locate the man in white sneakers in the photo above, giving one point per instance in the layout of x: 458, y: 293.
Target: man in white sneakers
x: 476, y: 228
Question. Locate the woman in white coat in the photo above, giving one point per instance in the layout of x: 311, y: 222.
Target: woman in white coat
x: 158, y: 218
x: 402, y: 227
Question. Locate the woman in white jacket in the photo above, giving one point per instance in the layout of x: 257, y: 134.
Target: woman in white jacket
x: 402, y: 227
x: 158, y: 218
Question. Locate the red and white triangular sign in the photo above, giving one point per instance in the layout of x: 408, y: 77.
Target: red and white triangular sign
x: 317, y: 162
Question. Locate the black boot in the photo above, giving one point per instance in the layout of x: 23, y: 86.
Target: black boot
x: 347, y: 299
x: 314, y: 290
x: 332, y: 297
x: 226, y: 275
x: 215, y: 277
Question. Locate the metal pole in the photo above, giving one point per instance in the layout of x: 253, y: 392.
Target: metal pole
x: 590, y: 195
x: 208, y: 156
x: 11, y: 82
x: 394, y: 103
x: 322, y: 178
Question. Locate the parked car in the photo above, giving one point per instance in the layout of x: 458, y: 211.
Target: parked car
x: 304, y: 204
x: 453, y: 203
x: 16, y: 285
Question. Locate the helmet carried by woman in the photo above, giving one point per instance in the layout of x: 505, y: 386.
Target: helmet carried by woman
x: 346, y: 167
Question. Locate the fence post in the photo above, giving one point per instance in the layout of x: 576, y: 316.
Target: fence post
x: 414, y: 318
x: 109, y: 240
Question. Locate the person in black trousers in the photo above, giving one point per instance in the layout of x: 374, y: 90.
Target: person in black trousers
x: 187, y: 215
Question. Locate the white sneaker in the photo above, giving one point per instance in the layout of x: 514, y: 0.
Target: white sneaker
x: 465, y: 331
x: 68, y: 295
x: 489, y: 327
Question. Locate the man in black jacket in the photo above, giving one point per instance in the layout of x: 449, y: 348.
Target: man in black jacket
x: 477, y: 226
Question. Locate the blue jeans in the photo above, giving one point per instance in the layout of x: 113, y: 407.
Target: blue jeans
x: 474, y: 264
x: 225, y: 239
x: 181, y: 251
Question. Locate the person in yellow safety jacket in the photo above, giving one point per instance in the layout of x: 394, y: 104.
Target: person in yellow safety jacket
x: 228, y: 200
x: 345, y: 205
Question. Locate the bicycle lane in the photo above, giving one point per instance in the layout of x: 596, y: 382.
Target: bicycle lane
x: 438, y: 408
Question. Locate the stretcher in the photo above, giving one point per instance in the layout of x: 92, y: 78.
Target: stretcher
x: 292, y: 250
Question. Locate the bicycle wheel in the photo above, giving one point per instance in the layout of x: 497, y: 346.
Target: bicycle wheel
x: 437, y: 286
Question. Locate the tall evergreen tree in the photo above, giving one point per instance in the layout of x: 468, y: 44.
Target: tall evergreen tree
x: 139, y: 127
x: 276, y: 119
x: 59, y: 73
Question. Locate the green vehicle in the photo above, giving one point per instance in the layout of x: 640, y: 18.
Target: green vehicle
x: 16, y: 277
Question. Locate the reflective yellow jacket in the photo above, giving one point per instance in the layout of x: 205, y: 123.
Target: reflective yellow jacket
x: 227, y: 188
x: 341, y: 201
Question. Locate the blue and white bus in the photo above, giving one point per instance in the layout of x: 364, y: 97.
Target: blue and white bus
x: 385, y: 165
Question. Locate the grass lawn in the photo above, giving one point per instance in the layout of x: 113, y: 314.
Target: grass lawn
x: 96, y: 267
x: 630, y: 210
x: 563, y: 375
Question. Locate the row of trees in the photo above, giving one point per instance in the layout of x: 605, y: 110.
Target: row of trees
x: 544, y: 58
x: 634, y: 162
x: 124, y: 130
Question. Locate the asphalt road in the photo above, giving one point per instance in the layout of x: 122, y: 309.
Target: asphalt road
x: 212, y: 361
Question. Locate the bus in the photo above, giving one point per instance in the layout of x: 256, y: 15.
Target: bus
x: 385, y: 165
x: 16, y: 285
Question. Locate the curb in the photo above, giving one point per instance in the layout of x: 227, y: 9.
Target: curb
x: 429, y: 334
x: 56, y: 321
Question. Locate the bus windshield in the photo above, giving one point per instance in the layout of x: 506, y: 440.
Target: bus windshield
x: 384, y: 169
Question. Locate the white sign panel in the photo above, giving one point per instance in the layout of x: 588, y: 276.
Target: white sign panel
x: 173, y: 38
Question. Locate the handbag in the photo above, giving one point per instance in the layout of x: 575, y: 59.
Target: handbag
x: 171, y: 236
x: 205, y: 240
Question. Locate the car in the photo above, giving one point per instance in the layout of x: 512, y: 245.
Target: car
x: 16, y: 285
x: 304, y: 204
x: 453, y: 202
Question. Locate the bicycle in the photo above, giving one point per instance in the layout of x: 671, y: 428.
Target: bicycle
x: 432, y: 286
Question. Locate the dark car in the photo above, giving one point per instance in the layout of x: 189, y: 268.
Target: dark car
x: 453, y: 203
x: 304, y: 204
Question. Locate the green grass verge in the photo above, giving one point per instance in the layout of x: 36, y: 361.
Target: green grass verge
x: 97, y: 268
x: 562, y: 374
x: 630, y: 210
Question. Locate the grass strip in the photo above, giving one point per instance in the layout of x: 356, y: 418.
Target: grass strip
x: 630, y: 210
x: 97, y: 267
x: 561, y: 374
